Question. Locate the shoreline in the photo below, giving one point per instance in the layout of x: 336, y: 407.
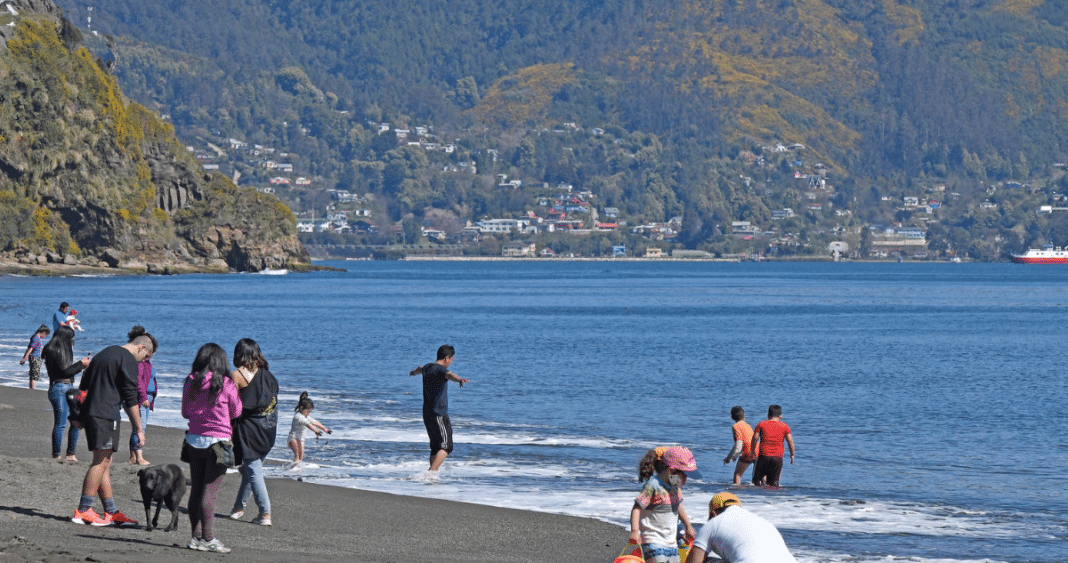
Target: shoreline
x: 312, y: 522
x: 9, y: 267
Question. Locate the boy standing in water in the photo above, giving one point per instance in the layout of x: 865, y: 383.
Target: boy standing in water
x: 742, y: 451
x: 436, y: 377
x: 768, y: 438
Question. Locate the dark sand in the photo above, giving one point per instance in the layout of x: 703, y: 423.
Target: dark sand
x: 38, y: 495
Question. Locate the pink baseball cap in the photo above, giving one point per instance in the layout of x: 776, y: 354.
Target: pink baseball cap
x: 681, y: 458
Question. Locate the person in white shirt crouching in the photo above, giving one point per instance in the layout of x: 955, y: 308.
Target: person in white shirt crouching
x: 736, y: 535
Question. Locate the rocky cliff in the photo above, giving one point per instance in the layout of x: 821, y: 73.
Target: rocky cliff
x: 87, y: 177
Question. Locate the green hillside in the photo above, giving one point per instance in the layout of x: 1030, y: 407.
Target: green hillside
x: 88, y: 177
x: 659, y: 110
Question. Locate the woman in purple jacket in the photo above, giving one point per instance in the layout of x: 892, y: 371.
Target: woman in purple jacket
x: 209, y: 401
x: 146, y: 395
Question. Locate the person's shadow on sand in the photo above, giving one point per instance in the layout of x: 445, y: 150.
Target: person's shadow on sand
x: 22, y: 510
x: 32, y: 512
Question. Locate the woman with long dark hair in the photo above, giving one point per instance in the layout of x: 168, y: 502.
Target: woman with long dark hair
x: 209, y: 401
x: 255, y: 429
x: 59, y: 362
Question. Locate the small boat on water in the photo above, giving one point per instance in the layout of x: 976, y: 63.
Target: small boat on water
x: 1048, y: 254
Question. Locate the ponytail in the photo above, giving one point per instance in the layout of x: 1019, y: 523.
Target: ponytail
x: 304, y: 402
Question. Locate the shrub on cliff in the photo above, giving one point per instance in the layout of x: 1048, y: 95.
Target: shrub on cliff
x: 82, y: 169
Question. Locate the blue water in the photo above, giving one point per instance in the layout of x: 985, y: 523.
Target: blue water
x: 925, y: 399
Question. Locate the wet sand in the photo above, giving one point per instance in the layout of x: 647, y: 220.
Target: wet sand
x: 312, y: 522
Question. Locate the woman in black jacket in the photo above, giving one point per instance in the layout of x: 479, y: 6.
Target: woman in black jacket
x: 58, y: 357
x: 255, y: 429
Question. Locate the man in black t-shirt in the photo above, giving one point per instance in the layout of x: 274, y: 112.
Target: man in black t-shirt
x: 436, y: 378
x: 110, y: 383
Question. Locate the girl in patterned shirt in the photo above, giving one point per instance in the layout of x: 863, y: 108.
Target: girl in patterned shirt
x: 655, y: 517
x: 33, y: 353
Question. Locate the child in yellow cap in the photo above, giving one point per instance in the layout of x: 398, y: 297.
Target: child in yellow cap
x: 737, y: 535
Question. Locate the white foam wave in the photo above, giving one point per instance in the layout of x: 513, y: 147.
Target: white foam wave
x: 877, y: 517
x: 810, y: 556
x: 516, y: 439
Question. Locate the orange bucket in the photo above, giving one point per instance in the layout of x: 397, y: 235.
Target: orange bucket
x: 635, y: 556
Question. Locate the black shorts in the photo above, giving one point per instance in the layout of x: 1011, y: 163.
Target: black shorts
x: 768, y: 469
x: 439, y: 430
x: 101, y: 433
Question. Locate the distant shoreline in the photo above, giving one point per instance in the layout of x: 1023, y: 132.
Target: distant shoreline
x: 8, y: 267
x: 55, y: 269
x: 11, y: 267
x: 430, y: 258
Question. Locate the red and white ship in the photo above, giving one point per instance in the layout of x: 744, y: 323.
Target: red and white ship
x: 1049, y: 254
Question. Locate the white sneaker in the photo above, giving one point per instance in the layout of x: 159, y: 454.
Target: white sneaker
x: 214, y: 545
x: 237, y: 514
x: 196, y: 544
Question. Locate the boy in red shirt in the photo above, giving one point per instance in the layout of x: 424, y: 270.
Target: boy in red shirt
x: 768, y: 437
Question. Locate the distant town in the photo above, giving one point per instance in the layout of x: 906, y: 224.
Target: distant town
x: 563, y: 209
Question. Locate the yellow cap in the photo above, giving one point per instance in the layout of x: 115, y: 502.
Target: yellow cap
x: 721, y: 501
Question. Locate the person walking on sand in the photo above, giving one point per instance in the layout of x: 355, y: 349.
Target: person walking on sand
x: 146, y: 398
x: 736, y: 535
x: 210, y: 401
x: 110, y: 383
x: 436, y: 377
x: 33, y: 354
x: 59, y: 318
x: 768, y: 438
x: 255, y: 430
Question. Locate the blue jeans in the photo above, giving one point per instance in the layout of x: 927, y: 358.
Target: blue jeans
x: 252, y: 483
x: 134, y: 443
x: 57, y: 395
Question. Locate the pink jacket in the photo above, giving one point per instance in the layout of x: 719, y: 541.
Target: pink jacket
x: 144, y: 377
x: 205, y: 417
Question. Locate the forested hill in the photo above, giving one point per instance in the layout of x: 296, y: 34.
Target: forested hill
x: 893, y: 98
x: 89, y: 178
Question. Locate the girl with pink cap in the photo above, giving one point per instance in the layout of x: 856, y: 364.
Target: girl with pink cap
x: 657, y: 511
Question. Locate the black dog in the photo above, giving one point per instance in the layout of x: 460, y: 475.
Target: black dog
x: 164, y: 484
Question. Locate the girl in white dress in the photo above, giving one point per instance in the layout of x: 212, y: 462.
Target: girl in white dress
x: 301, y: 421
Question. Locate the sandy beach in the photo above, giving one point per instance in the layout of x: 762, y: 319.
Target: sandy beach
x: 311, y: 522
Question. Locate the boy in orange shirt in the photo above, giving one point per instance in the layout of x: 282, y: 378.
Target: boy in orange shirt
x: 742, y: 451
x: 768, y: 438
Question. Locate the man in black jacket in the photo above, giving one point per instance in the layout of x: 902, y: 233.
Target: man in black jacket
x: 110, y: 383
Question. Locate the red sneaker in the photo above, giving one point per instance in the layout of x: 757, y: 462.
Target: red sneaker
x: 119, y: 519
x: 88, y: 517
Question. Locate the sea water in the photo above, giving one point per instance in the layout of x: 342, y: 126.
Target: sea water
x: 926, y: 400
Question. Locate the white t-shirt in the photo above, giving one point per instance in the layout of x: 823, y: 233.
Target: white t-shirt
x: 300, y: 422
x: 739, y: 536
